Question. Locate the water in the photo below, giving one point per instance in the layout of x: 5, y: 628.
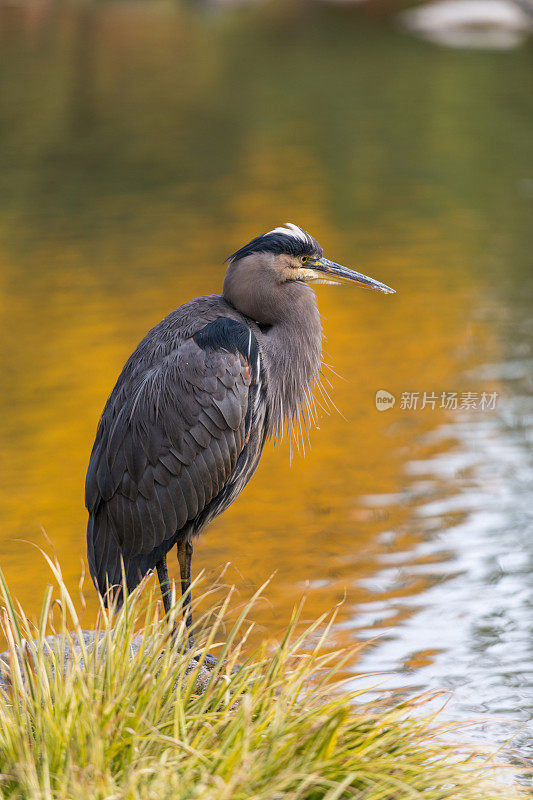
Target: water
x: 143, y: 144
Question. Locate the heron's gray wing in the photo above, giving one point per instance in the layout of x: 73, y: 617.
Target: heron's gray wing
x: 167, y: 444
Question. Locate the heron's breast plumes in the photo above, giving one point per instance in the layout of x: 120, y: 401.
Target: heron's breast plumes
x: 292, y: 355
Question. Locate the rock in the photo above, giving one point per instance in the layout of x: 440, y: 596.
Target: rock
x: 59, y: 644
x: 483, y: 24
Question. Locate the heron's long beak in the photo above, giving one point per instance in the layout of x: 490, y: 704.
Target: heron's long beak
x: 339, y: 274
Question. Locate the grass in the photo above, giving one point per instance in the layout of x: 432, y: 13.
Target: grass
x: 156, y: 724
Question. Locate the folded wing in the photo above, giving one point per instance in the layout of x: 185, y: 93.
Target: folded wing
x: 167, y: 444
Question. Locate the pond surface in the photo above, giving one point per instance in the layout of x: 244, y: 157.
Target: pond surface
x: 140, y: 146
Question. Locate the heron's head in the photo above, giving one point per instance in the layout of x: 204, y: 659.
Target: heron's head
x: 261, y: 270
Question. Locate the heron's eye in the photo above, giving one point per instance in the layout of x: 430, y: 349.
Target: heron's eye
x: 304, y: 259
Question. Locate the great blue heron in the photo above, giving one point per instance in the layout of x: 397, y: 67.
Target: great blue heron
x: 183, y: 430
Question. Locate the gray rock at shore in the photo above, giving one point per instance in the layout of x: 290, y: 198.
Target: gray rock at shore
x: 70, y: 647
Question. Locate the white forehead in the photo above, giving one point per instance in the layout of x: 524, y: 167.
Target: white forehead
x: 289, y: 229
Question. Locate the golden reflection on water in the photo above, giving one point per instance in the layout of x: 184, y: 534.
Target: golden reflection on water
x: 146, y: 154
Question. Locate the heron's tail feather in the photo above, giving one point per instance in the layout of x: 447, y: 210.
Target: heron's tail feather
x: 106, y: 559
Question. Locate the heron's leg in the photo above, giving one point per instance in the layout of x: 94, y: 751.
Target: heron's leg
x: 164, y: 583
x: 184, y: 559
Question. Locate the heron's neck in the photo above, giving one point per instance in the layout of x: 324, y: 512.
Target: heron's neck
x: 292, y: 352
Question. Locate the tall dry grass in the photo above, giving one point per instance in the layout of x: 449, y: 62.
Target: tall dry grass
x: 135, y: 717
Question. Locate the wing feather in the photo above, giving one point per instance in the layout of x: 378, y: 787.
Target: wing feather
x: 189, y: 493
x: 220, y: 450
x: 167, y: 508
x: 171, y: 462
x: 134, y: 456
